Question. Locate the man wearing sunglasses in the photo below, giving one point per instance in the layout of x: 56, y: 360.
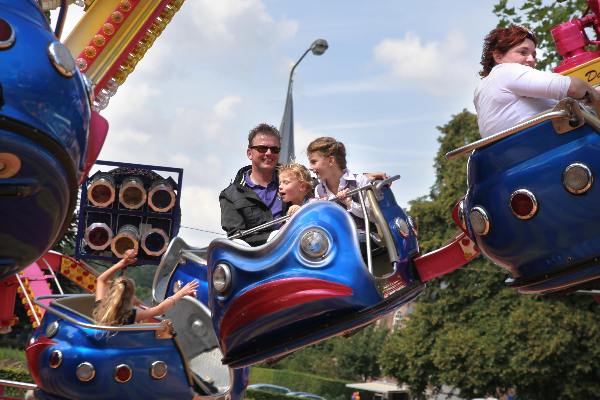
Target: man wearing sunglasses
x: 252, y: 198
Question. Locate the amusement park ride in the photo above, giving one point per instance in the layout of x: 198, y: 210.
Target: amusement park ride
x: 531, y: 207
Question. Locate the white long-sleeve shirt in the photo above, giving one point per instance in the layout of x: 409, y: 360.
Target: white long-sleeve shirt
x: 514, y: 92
x: 348, y: 180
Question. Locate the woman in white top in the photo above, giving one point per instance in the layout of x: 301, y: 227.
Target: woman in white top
x: 511, y: 90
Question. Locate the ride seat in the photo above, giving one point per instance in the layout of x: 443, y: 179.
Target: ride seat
x: 82, y: 305
x: 198, y: 344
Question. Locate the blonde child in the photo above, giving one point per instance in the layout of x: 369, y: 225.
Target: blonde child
x: 116, y: 301
x: 295, y: 185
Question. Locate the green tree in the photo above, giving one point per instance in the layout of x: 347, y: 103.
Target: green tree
x: 432, y: 212
x: 66, y: 244
x: 540, y: 16
x: 471, y: 332
x: 355, y: 357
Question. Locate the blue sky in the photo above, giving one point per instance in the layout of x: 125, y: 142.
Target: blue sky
x: 394, y: 71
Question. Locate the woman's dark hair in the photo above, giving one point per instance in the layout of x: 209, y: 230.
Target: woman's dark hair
x: 502, y: 40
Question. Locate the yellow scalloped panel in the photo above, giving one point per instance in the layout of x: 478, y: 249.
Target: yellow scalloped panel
x: 588, y: 72
x: 107, y: 29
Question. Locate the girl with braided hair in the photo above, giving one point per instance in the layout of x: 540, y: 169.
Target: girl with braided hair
x: 327, y: 159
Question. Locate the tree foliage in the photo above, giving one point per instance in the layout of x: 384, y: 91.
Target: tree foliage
x: 471, y: 332
x: 66, y: 244
x: 540, y: 16
x: 354, y: 357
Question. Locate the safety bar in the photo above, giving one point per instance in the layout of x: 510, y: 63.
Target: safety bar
x: 120, y: 328
x: 363, y: 207
x: 29, y: 303
x: 18, y: 385
x: 60, y: 289
x: 507, y: 132
x: 378, y: 185
x: 385, y: 229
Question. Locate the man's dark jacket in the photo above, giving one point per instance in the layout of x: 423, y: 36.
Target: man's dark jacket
x: 241, y: 209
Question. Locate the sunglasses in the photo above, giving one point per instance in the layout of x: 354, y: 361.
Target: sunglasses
x: 263, y: 149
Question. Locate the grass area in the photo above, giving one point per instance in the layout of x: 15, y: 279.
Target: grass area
x: 12, y: 358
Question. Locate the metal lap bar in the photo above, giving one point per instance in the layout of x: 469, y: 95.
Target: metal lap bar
x: 29, y: 303
x: 507, y: 132
x: 276, y: 221
x: 384, y: 226
x: 60, y: 289
x: 123, y: 328
x: 18, y: 385
x: 193, y: 257
x: 363, y: 207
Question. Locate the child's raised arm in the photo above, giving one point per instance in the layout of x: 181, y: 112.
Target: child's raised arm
x: 102, y: 280
x: 166, y: 304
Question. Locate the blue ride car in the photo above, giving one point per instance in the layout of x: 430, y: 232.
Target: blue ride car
x: 533, y: 201
x: 307, y: 284
x: 69, y: 357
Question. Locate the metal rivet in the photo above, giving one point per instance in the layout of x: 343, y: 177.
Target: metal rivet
x: 577, y: 178
x: 480, y: 222
x: 55, y: 359
x: 85, y: 372
x: 123, y: 373
x: 523, y: 204
x: 158, y: 369
x: 7, y: 35
x: 52, y: 329
x: 62, y: 59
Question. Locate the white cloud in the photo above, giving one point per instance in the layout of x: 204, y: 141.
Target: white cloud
x: 198, y: 204
x: 224, y: 107
x: 441, y: 67
x: 220, y: 26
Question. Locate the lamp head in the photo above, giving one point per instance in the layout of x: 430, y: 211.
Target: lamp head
x: 319, y: 47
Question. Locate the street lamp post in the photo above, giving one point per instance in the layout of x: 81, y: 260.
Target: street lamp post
x: 286, y: 129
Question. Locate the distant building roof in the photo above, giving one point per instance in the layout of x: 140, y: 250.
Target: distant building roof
x: 378, y: 387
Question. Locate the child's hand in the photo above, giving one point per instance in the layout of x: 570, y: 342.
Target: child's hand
x: 346, y: 200
x: 293, y: 208
x: 188, y: 290
x: 376, y: 176
x: 129, y: 258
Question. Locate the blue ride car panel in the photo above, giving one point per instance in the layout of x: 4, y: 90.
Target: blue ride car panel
x: 44, y: 123
x: 33, y: 205
x: 105, y: 351
x: 186, y: 272
x: 563, y: 237
x: 407, y: 247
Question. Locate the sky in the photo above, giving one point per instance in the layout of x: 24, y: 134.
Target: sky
x: 394, y: 71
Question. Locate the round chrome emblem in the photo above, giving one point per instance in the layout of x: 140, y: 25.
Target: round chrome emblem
x: 314, y: 243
